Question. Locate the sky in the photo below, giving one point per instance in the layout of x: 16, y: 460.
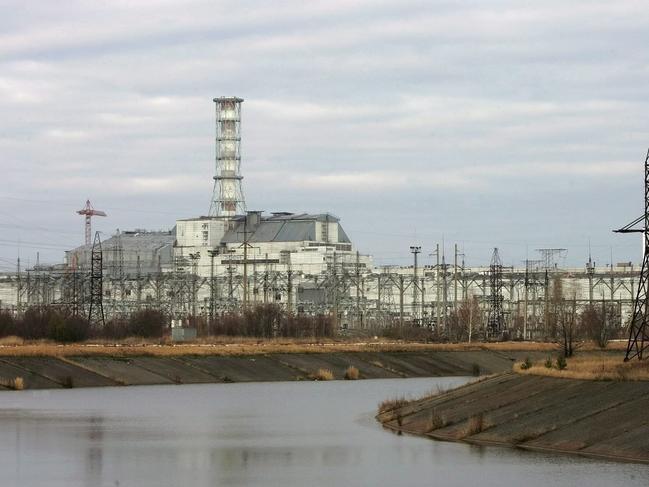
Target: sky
x: 510, y: 124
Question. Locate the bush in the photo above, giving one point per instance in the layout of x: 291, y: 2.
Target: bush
x: 351, y: 373
x: 69, y: 329
x: 435, y: 422
x: 548, y: 363
x: 323, y: 374
x: 7, y: 324
x: 561, y: 362
x: 147, y: 323
x: 476, y: 424
x: 475, y: 370
x: 17, y: 383
x: 115, y: 329
x: 527, y: 364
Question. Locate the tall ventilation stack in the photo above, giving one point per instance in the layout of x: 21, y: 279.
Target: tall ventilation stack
x: 227, y: 199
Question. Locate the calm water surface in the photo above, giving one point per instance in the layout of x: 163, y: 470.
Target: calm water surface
x: 282, y: 433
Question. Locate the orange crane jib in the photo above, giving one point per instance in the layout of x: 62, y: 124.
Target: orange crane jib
x: 88, y: 211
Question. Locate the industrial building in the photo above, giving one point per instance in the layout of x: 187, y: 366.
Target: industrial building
x: 305, y: 262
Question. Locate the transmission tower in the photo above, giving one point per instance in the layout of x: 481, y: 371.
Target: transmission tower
x: 638, y: 328
x: 96, y: 310
x: 88, y: 211
x: 496, y: 317
x: 227, y: 199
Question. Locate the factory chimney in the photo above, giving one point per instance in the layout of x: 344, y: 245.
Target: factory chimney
x: 227, y: 199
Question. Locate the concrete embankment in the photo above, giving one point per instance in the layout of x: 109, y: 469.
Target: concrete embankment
x: 47, y: 372
x: 605, y: 419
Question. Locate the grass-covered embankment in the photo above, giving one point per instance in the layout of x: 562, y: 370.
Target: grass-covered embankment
x: 601, y: 418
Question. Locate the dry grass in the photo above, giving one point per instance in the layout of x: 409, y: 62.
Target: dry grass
x: 435, y: 421
x: 351, y: 373
x: 392, y: 404
x: 11, y: 341
x: 322, y: 374
x: 592, y: 367
x: 252, y: 346
x: 475, y: 424
x: 17, y: 383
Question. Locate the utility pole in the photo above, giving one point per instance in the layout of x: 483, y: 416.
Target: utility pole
x: 194, y: 258
x: 401, y: 291
x: 18, y: 287
x: 415, y: 250
x: 437, y: 313
x: 266, y: 280
x: 212, y: 253
x: 455, y: 277
x: 444, y: 286
x: 359, y: 315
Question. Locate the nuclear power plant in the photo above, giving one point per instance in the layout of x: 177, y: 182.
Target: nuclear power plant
x: 229, y: 258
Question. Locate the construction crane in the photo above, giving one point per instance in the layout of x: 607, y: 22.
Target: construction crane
x: 88, y: 211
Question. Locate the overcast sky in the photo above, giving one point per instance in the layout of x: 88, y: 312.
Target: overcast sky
x: 507, y: 124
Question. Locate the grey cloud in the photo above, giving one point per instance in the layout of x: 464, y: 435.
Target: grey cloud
x: 496, y: 123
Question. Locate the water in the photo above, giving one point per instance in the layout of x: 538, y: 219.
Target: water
x: 282, y: 433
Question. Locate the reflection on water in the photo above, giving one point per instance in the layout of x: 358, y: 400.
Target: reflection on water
x: 290, y: 433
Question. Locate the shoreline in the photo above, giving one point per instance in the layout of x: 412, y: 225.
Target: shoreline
x: 594, y: 419
x: 96, y: 370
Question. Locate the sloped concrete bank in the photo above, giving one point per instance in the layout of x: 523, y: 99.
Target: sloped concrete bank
x: 47, y: 372
x: 604, y: 419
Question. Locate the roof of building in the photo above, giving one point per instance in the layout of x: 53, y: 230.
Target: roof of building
x: 282, y: 227
x: 135, y: 241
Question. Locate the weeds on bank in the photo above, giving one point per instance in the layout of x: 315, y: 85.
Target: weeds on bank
x: 392, y: 404
x: 17, y: 383
x: 435, y: 421
x: 589, y: 368
x: 322, y: 374
x: 351, y: 373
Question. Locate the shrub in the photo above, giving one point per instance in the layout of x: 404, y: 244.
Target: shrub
x: 70, y: 329
x: 146, y: 323
x: 527, y: 364
x: 7, y: 324
x: 435, y: 421
x: 17, y: 383
x: 115, y: 328
x: 548, y: 363
x: 323, y: 374
x: 475, y: 370
x: 391, y: 404
x: 351, y: 373
x: 561, y: 362
x: 476, y: 424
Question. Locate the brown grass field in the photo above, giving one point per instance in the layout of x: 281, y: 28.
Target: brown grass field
x: 13, y: 346
x: 592, y: 367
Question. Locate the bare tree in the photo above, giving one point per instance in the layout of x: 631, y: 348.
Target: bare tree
x: 567, y: 322
x: 599, y: 323
x: 462, y: 321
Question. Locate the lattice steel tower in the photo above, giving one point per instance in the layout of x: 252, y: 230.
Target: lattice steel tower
x: 227, y: 199
x: 496, y: 318
x: 639, y: 327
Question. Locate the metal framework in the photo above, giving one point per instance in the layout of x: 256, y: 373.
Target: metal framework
x: 638, y: 328
x: 227, y: 198
x: 88, y: 211
x: 496, y: 317
x: 96, y: 308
